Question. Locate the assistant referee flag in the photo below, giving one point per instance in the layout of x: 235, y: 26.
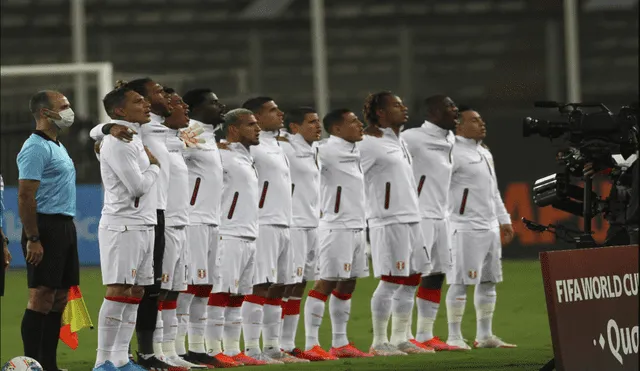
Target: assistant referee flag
x: 75, y: 318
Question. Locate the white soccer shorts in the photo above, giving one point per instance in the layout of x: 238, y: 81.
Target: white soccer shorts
x: 477, y: 257
x: 175, y: 262
x: 437, y: 238
x: 126, y: 254
x: 235, y: 265
x: 274, y: 258
x: 304, y: 245
x: 342, y: 254
x: 398, y: 250
x: 202, y: 247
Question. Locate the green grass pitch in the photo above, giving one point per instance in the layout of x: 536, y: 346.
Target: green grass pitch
x: 520, y: 318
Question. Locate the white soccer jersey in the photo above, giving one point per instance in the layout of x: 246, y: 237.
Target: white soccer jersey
x: 474, y: 192
x: 341, y: 185
x: 431, y: 148
x: 154, y: 136
x: 305, y: 182
x: 239, y: 193
x: 129, y: 181
x: 205, y: 179
x: 389, y: 183
x: 502, y: 216
x: 177, y: 212
x: 275, y: 181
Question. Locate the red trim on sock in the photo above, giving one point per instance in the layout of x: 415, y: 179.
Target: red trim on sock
x: 191, y: 289
x: 160, y: 305
x: 235, y: 301
x: 413, y: 280
x: 220, y: 299
x: 169, y: 304
x: 340, y: 295
x: 318, y: 295
x: 274, y: 302
x: 394, y: 279
x: 203, y: 291
x: 294, y: 307
x: 429, y: 294
x: 123, y: 299
x: 255, y: 299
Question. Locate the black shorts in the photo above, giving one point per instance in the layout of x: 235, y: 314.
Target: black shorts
x: 158, y: 249
x: 60, y: 266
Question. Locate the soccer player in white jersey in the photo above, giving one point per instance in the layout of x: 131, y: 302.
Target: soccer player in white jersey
x: 236, y: 257
x: 205, y: 187
x: 129, y: 173
x: 149, y: 328
x: 342, y: 258
x: 304, y: 129
x: 398, y: 250
x: 476, y: 246
x: 274, y: 267
x: 430, y: 146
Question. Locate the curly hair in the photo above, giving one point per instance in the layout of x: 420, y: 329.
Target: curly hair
x: 372, y: 104
x: 120, y: 84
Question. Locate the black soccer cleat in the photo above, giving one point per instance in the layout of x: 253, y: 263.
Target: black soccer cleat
x: 211, y: 362
x: 154, y: 364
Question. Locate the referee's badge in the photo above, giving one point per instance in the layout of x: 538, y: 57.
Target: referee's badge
x: 473, y: 274
x: 202, y: 273
x: 165, y: 278
x: 347, y: 267
x: 400, y: 265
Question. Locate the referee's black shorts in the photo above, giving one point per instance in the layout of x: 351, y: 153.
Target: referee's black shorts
x: 60, y: 266
x: 158, y: 250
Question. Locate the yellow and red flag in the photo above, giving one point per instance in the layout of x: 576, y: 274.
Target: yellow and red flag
x: 74, y: 318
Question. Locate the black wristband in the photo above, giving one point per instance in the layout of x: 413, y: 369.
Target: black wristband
x: 106, y: 129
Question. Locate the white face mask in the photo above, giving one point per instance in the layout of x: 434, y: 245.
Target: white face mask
x: 66, y: 118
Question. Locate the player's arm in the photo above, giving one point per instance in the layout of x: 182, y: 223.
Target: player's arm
x: 123, y: 159
x: 31, y: 161
x: 504, y: 219
x: 119, y: 131
x: 367, y: 156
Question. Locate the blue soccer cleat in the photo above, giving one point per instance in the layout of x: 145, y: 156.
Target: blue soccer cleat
x: 107, y: 366
x: 131, y: 366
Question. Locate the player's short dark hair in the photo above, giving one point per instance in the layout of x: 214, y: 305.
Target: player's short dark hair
x: 433, y: 103
x: 333, y: 118
x: 464, y: 108
x: 233, y: 117
x: 296, y: 116
x: 169, y: 90
x: 116, y: 98
x: 372, y: 103
x: 255, y: 104
x: 40, y: 100
x: 195, y: 97
x: 139, y: 85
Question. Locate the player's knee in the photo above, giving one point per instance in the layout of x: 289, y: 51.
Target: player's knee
x: 324, y: 287
x: 261, y: 290
x: 60, y: 300
x: 487, y: 289
x: 433, y: 282
x: 41, y: 299
x: 346, y: 287
x: 137, y: 292
x: 276, y: 291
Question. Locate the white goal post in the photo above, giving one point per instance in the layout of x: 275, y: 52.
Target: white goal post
x: 103, y: 71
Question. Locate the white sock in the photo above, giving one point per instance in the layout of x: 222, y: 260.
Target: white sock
x: 339, y: 312
x: 158, y: 335
x: 125, y: 334
x: 290, y: 324
x: 109, y: 322
x: 456, y: 301
x: 214, y: 328
x: 409, y: 324
x: 170, y: 321
x: 484, y: 299
x: 271, y: 325
x: 401, y: 308
x: 197, y: 324
x: 427, y: 312
x: 251, y: 323
x: 381, y: 310
x: 184, y: 304
x: 313, y: 313
x: 232, y: 329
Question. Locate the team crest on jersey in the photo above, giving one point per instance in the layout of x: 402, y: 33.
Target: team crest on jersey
x: 133, y: 273
x: 165, y: 278
x: 237, y: 283
x: 347, y: 267
x: 202, y: 273
x: 473, y: 274
x: 400, y: 265
x: 299, y: 271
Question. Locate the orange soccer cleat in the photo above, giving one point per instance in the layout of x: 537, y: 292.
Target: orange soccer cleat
x: 246, y: 360
x: 349, y: 351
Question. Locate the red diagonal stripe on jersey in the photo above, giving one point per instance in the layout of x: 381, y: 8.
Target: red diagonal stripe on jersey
x: 421, y: 184
x: 387, y: 195
x: 263, y: 196
x: 136, y: 202
x: 196, y: 187
x: 336, y: 208
x: 463, y: 204
x: 233, y: 205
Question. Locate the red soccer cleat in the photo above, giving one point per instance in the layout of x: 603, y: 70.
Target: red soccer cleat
x: 349, y: 351
x: 246, y: 360
x: 439, y: 345
x: 421, y: 345
x: 316, y: 354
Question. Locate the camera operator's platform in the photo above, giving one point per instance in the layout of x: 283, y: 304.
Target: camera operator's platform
x: 592, y: 302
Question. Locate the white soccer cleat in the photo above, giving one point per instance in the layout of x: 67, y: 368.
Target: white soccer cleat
x: 265, y: 358
x: 284, y: 357
x: 459, y: 343
x: 386, y: 350
x: 492, y: 342
x: 179, y: 361
x: 410, y: 348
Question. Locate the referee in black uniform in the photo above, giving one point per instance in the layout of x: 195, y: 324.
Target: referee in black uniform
x: 47, y: 205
